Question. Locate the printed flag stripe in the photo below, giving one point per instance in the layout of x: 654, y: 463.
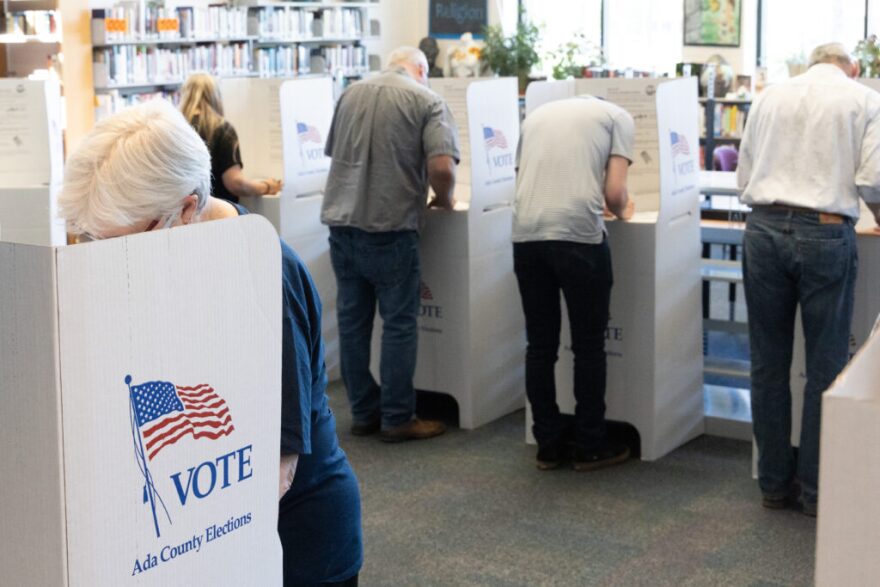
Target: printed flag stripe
x: 210, y: 404
x: 184, y: 428
x: 197, y: 387
x: 211, y: 435
x: 149, y: 434
x: 198, y: 393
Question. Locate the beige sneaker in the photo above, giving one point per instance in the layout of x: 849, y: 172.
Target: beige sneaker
x: 415, y: 429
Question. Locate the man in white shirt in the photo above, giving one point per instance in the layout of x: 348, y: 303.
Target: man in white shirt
x: 573, y: 158
x: 811, y: 148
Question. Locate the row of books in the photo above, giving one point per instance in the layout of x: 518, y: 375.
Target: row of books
x: 148, y: 22
x: 32, y: 22
x: 729, y: 122
x: 218, y: 22
x: 287, y: 61
x: 285, y: 23
x: 112, y: 102
x: 140, y: 64
x: 282, y: 61
x: 350, y: 59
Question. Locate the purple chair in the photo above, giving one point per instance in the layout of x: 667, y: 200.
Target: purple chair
x: 725, y: 158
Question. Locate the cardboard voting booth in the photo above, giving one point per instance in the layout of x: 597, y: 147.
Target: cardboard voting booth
x: 471, y: 328
x: 31, y: 156
x: 654, y: 336
x: 139, y: 416
x: 849, y: 475
x: 285, y: 139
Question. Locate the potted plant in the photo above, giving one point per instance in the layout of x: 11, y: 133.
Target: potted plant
x: 868, y: 53
x: 513, y: 55
x: 572, y: 58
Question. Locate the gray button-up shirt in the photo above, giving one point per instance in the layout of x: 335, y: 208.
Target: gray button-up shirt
x: 384, y: 130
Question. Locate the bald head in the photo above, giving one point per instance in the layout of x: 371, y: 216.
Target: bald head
x: 412, y: 60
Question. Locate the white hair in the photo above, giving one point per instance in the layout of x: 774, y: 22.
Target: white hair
x: 407, y: 55
x: 134, y: 166
x: 831, y: 53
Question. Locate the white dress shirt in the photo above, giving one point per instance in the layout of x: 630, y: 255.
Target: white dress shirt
x: 813, y: 142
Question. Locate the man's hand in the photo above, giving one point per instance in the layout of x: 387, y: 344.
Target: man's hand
x: 628, y: 210
x: 627, y: 213
x: 442, y: 204
x: 286, y: 473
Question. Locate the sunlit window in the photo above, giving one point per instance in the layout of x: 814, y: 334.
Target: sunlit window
x: 565, y: 21
x: 793, y: 28
x: 645, y: 35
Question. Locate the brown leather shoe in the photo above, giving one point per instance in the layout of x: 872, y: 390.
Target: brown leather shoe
x: 415, y: 429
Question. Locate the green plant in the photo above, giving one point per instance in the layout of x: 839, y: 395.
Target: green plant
x: 512, y: 55
x: 571, y: 58
x: 868, y: 53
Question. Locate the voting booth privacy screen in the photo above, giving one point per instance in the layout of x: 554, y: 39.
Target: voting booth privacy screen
x: 286, y: 139
x: 654, y: 336
x: 31, y: 155
x: 141, y: 409
x: 849, y: 474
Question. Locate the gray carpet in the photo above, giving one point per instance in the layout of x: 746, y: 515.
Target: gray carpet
x: 470, y: 508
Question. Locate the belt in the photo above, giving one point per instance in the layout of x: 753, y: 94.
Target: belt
x: 824, y: 217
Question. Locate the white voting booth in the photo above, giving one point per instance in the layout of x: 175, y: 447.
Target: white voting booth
x: 140, y: 433
x: 654, y: 336
x: 849, y: 480
x: 471, y: 328
x: 285, y: 138
x: 31, y: 156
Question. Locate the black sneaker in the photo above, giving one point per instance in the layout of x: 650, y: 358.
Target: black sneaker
x: 549, y: 457
x: 611, y: 454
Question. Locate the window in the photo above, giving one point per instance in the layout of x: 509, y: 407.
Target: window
x: 645, y: 35
x: 793, y: 28
x: 564, y: 21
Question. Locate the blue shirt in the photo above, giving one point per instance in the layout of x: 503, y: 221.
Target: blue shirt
x: 319, y: 519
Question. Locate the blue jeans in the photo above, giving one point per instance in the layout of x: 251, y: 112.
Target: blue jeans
x: 792, y: 258
x: 583, y: 274
x: 378, y: 267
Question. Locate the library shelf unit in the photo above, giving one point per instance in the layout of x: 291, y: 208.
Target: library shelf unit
x: 726, y: 119
x: 142, y: 51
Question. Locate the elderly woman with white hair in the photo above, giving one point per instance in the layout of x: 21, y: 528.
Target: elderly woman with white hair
x: 147, y: 169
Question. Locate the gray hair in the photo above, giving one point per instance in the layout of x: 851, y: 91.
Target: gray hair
x: 834, y: 53
x: 407, y: 55
x: 134, y: 166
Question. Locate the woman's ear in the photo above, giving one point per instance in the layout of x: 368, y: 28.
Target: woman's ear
x: 190, y: 208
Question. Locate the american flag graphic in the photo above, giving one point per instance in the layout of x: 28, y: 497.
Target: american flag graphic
x: 679, y: 144
x: 307, y: 133
x: 494, y: 138
x: 165, y: 413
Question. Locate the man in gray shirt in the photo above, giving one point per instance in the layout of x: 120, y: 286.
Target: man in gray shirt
x: 391, y: 137
x: 573, y: 159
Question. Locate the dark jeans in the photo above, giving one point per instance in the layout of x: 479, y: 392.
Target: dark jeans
x: 583, y: 273
x: 791, y: 258
x: 378, y: 267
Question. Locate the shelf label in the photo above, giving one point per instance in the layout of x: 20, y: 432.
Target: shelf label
x: 167, y: 25
x: 116, y: 25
